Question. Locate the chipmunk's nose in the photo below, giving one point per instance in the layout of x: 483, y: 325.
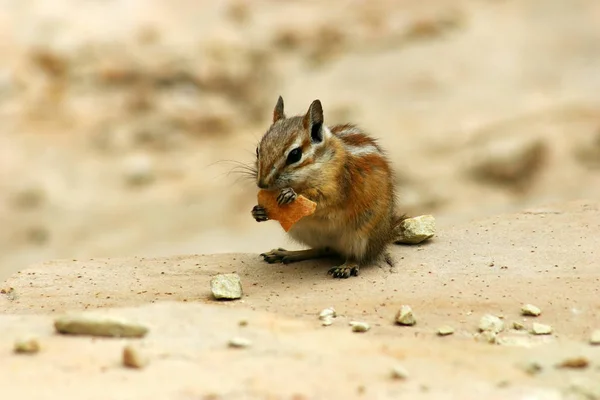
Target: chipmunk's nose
x: 261, y: 184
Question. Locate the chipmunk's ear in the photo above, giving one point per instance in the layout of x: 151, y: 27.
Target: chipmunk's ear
x: 278, y: 111
x: 313, y: 121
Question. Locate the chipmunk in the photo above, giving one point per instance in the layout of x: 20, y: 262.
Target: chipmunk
x: 345, y: 172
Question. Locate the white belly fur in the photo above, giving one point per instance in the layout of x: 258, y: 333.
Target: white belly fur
x: 328, y: 232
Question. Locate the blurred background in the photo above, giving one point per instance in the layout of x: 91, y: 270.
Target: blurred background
x: 121, y: 120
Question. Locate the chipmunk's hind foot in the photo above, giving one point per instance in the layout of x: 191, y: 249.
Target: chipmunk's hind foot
x: 289, y: 256
x: 344, y: 271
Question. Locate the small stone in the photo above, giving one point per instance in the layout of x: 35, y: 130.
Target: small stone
x: 133, y: 358
x: 226, y: 287
x: 541, y: 329
x: 327, y: 321
x: 487, y: 337
x: 358, y: 326
x: 532, y: 367
x: 10, y: 293
x: 574, y: 363
x: 416, y: 230
x: 243, y: 322
x: 445, y: 330
x: 405, y: 316
x: 530, y: 310
x: 518, y: 326
x: 490, y: 323
x: 139, y: 170
x: 98, y: 325
x: 399, y: 372
x: 27, y: 346
x: 29, y: 197
x: 509, y: 160
x: 239, y: 342
x: 521, y: 339
x: 595, y: 337
x: 328, y: 313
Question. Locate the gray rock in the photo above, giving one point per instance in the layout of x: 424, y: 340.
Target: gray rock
x: 226, y: 287
x: 416, y: 230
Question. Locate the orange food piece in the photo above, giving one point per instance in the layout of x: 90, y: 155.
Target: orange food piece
x: 286, y: 214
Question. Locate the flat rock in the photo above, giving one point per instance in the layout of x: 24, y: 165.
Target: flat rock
x: 445, y: 330
x: 541, y: 329
x: 92, y: 324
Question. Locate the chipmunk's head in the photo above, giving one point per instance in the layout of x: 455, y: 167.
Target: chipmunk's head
x: 293, y: 149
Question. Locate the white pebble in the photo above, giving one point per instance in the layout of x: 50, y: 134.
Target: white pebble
x: 399, y: 372
x: 226, y: 287
x: 518, y: 326
x: 445, y: 330
x: 405, y: 316
x: 239, y: 342
x: 491, y: 323
x: 541, y: 329
x: 416, y: 230
x: 358, y: 326
x: 487, y: 336
x: 328, y: 313
x: 595, y: 337
x: 530, y: 310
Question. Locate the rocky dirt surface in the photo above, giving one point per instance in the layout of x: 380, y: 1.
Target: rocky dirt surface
x: 123, y: 126
x: 545, y: 256
x: 118, y: 139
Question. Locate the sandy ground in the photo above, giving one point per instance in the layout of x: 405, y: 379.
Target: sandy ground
x: 544, y: 256
x: 117, y: 146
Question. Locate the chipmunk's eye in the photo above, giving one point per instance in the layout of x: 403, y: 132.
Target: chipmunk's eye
x: 294, y: 156
x: 257, y: 152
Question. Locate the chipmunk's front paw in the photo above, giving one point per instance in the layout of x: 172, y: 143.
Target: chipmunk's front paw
x: 344, y: 271
x: 259, y: 213
x: 286, y: 196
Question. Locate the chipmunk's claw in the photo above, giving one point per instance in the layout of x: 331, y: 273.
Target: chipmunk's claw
x: 344, y: 271
x: 260, y: 214
x: 286, y: 196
